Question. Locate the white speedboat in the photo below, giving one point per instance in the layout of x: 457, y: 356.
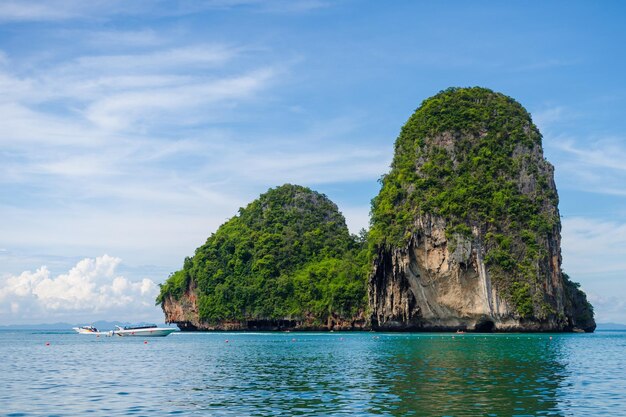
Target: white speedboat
x: 87, y: 330
x: 150, y: 330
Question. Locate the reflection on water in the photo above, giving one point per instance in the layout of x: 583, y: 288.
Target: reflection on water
x: 229, y: 374
x: 475, y: 375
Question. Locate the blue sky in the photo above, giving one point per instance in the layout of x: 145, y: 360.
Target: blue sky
x: 132, y: 130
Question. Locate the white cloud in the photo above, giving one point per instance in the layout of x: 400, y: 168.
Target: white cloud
x: 177, y: 59
x: 145, y: 149
x: 150, y: 88
x: 22, y: 127
x: 150, y: 107
x: 608, y: 309
x: 594, y: 254
x: 357, y: 218
x: 310, y: 163
x: 35, y: 11
x: 141, y: 38
x: 592, y: 164
x: 547, y: 116
x: 91, y: 290
x: 593, y: 246
x: 601, y: 154
x: 597, y: 166
x: 58, y: 10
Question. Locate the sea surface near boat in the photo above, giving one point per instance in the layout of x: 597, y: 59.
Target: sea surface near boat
x: 363, y: 374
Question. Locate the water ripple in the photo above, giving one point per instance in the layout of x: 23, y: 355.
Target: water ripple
x: 313, y: 374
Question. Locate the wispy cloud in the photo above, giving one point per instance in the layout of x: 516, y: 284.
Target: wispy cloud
x: 313, y: 156
x: 597, y: 166
x: 547, y: 116
x: 128, y: 109
x: 134, y: 38
x: 592, y: 164
x: 608, y: 309
x: 594, y: 254
x: 21, y: 127
x: 36, y: 11
x: 185, y: 58
x: 602, y: 154
x: 60, y: 10
x: 594, y: 246
x: 134, y: 195
x: 125, y: 152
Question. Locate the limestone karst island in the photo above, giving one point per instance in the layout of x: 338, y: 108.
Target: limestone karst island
x: 464, y: 235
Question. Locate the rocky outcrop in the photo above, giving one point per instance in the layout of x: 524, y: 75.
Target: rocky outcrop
x: 578, y: 310
x: 286, y: 262
x: 435, y: 283
x: 184, y: 313
x: 465, y: 235
x: 466, y: 226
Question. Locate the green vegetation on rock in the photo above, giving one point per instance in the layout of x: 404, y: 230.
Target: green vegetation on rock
x: 473, y: 157
x: 580, y: 309
x: 468, y: 162
x: 287, y: 255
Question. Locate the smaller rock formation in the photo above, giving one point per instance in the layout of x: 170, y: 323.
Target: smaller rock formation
x: 287, y: 261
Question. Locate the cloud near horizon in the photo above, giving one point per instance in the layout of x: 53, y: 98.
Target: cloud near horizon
x: 91, y: 290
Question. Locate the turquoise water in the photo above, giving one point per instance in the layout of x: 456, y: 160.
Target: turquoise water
x: 244, y: 374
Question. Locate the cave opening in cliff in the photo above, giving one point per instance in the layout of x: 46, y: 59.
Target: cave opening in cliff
x: 486, y: 326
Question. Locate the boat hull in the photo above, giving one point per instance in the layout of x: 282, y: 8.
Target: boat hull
x: 85, y: 331
x: 156, y: 332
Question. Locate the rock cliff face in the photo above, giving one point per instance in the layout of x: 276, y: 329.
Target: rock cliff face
x: 466, y: 229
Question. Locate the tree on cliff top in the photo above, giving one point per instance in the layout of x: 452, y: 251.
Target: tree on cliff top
x: 288, y: 254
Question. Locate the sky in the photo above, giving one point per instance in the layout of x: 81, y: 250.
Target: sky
x: 131, y: 131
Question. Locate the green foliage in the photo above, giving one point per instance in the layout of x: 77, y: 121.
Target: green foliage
x: 522, y: 298
x: 459, y: 157
x: 174, y: 286
x: 288, y: 254
x: 581, y: 309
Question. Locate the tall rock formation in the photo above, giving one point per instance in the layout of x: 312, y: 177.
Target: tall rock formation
x: 466, y: 228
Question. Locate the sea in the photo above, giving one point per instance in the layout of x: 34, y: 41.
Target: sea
x: 313, y: 374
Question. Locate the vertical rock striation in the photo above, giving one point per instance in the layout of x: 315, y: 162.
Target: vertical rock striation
x: 466, y: 228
